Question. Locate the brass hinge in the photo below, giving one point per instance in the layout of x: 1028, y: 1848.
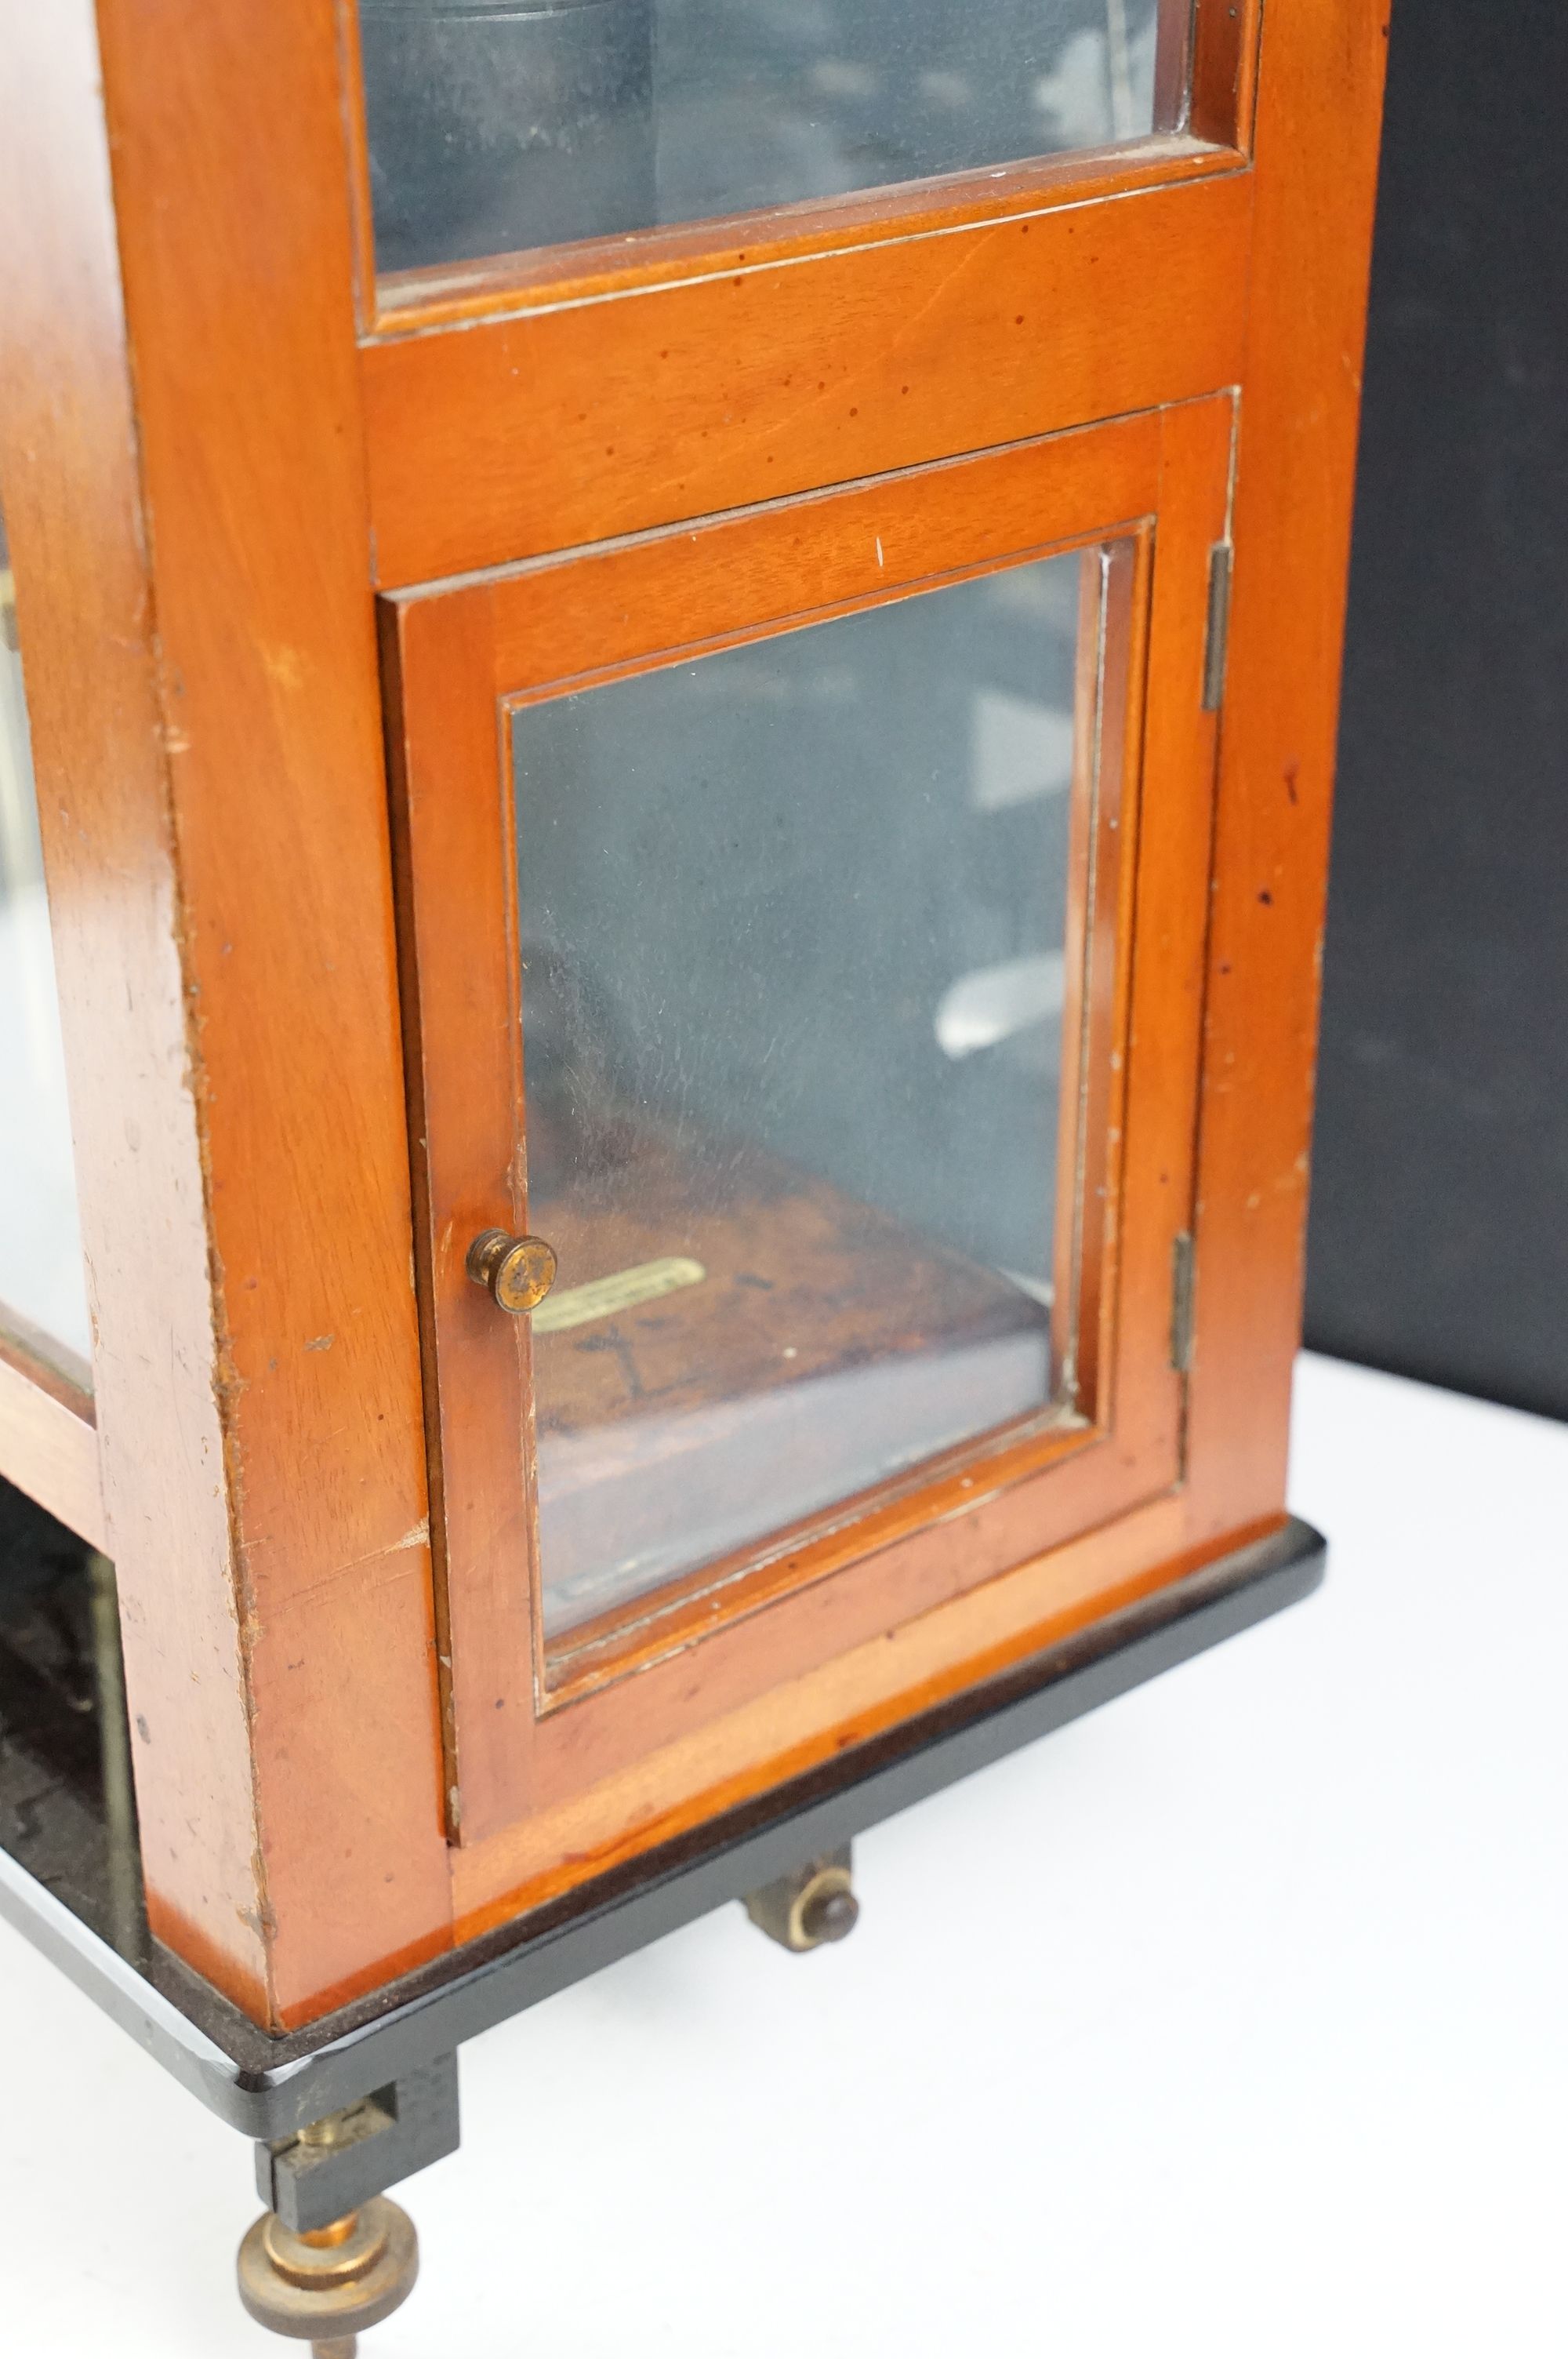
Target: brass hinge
x: 1182, y: 1277
x: 1218, y: 638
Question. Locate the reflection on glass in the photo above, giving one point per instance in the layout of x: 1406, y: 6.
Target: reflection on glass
x: 42, y: 1287
x: 792, y: 920
x: 500, y: 124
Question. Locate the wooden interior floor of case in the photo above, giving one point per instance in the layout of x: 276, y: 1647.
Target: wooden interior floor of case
x: 801, y: 1347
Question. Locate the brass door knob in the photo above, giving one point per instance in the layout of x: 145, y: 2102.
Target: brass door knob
x: 516, y: 1272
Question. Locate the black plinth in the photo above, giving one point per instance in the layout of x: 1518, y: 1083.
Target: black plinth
x: 68, y: 1878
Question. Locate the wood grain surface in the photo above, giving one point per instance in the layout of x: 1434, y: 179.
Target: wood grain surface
x: 1319, y: 106
x: 710, y: 394
x: 233, y: 212
x: 1225, y: 71
x: 543, y: 278
x: 217, y: 854
x: 85, y: 616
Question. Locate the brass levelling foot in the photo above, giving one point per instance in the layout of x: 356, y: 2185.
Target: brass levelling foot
x: 814, y: 1906
x: 326, y: 2287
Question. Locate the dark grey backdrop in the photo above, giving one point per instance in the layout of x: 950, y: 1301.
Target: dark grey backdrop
x: 1439, y: 1239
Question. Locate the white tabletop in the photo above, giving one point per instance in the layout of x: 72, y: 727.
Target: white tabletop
x: 1228, y: 2021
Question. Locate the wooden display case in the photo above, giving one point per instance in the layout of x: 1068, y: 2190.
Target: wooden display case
x: 757, y: 707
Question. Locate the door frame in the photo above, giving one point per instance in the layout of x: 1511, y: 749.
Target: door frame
x: 458, y: 660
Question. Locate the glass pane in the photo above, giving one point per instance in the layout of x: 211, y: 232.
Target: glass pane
x: 792, y: 922
x: 42, y: 1286
x: 500, y: 124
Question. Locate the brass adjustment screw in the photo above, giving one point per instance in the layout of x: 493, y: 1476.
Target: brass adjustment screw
x: 516, y: 1272
x: 812, y: 1906
x: 326, y: 2287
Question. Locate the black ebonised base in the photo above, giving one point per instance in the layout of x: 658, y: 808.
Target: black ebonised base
x: 68, y: 1878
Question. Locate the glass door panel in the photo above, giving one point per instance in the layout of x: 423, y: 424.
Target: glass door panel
x: 495, y: 124
x: 792, y: 924
x: 43, y: 1290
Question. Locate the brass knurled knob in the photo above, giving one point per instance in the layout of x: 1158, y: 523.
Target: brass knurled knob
x: 515, y: 1272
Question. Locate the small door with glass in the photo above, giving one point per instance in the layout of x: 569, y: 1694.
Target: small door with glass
x: 803, y: 914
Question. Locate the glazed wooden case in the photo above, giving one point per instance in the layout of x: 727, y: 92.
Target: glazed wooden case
x: 317, y: 573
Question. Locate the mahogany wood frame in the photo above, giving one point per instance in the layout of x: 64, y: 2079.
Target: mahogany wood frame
x: 185, y: 495
x: 215, y: 451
